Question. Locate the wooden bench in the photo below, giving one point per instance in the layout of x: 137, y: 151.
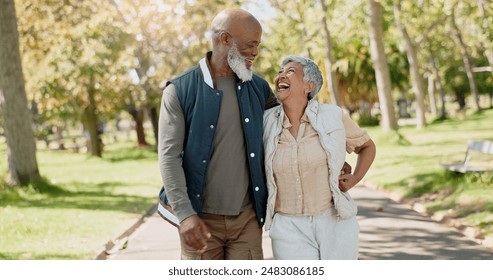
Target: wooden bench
x: 478, y: 158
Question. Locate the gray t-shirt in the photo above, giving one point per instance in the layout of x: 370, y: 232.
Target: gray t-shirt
x: 226, y: 191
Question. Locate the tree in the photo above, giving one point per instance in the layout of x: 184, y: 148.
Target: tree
x: 467, y: 60
x: 412, y: 56
x: 167, y: 38
x: 329, y: 61
x: 21, y: 147
x: 79, y: 67
x: 381, y: 67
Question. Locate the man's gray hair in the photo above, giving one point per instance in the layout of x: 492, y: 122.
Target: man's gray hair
x: 311, y: 72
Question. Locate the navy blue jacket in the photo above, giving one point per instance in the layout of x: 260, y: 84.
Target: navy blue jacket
x: 201, y: 104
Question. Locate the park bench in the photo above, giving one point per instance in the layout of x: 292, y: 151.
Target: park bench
x: 478, y: 158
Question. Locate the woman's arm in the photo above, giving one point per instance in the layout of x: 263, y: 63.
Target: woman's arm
x: 366, y: 155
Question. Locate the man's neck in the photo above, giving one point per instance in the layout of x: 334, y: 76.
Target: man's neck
x: 220, y: 67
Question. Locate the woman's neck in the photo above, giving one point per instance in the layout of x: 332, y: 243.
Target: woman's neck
x: 295, y: 110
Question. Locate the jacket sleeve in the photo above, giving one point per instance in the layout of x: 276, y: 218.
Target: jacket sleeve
x: 170, y: 146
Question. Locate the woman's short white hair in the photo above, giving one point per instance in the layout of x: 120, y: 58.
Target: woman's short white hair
x: 311, y: 72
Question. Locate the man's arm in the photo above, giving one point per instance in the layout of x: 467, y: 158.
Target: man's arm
x: 271, y: 100
x: 170, y: 147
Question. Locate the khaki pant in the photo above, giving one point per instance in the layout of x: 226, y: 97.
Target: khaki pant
x: 232, y: 238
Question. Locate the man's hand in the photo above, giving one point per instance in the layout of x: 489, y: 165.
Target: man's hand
x: 195, y: 233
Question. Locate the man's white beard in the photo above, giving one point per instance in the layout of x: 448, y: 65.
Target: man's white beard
x: 237, y: 63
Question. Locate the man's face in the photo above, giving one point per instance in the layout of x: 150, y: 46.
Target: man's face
x: 243, y: 52
x: 240, y: 64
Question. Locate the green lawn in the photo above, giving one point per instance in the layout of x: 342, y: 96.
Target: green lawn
x: 409, y: 166
x: 83, y: 202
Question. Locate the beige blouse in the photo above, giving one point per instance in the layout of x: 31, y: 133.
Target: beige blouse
x: 301, y: 169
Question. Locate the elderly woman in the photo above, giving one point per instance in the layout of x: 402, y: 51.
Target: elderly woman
x: 309, y: 212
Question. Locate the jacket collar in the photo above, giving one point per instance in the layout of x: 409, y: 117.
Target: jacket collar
x: 311, y: 107
x: 205, y: 68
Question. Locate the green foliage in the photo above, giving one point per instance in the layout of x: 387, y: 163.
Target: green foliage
x: 368, y: 120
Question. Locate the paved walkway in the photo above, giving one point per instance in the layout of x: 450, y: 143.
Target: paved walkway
x: 389, y: 231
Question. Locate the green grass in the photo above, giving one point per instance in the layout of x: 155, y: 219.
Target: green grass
x: 81, y: 203
x: 407, y: 164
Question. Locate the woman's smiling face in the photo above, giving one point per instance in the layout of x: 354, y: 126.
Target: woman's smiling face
x: 289, y: 82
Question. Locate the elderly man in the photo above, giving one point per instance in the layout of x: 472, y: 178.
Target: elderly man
x: 210, y: 145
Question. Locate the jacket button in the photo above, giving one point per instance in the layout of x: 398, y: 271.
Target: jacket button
x: 256, y: 189
x: 198, y: 195
x: 247, y: 120
x: 203, y: 161
x: 212, y: 126
x: 239, y: 87
x: 252, y: 155
x: 261, y: 220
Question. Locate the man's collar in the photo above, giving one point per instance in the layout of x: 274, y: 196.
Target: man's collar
x: 205, y: 68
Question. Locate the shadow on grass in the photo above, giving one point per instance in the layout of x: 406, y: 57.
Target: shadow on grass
x: 425, y: 183
x: 131, y: 154
x: 441, y: 190
x: 441, y: 143
x: 100, y: 197
x: 44, y: 186
x: 394, y: 137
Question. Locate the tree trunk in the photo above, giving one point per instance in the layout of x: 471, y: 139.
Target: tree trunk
x: 460, y: 98
x: 491, y: 99
x: 331, y: 82
x: 90, y: 119
x: 483, y: 9
x: 431, y: 94
x: 467, y: 65
x: 382, y: 73
x: 439, y: 85
x: 153, y: 115
x: 138, y: 116
x: 21, y: 146
x: 489, y: 56
x: 416, y: 80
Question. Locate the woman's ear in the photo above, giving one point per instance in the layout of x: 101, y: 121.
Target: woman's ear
x: 309, y: 88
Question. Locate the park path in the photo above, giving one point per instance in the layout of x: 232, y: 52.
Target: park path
x: 388, y: 231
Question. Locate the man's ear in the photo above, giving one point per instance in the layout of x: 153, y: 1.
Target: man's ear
x: 225, y: 38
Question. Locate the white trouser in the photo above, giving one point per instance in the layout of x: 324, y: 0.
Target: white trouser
x: 320, y: 237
